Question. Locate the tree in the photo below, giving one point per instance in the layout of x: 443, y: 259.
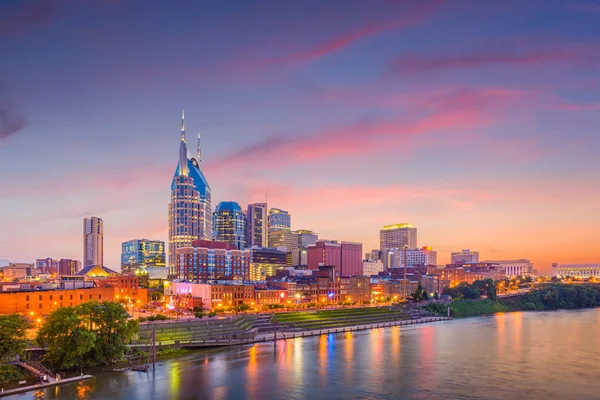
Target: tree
x: 425, y: 295
x: 66, y: 338
x: 13, y: 340
x: 418, y: 295
x: 436, y: 296
x: 95, y: 332
x: 109, y: 322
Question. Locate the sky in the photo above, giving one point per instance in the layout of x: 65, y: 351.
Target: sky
x: 478, y: 122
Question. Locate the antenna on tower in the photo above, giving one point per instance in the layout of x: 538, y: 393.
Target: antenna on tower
x: 198, y: 152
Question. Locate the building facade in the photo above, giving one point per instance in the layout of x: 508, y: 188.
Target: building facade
x: 93, y: 241
x: 398, y: 236
x: 142, y: 254
x: 229, y: 224
x: 257, y: 225
x: 212, y: 262
x: 265, y: 262
x: 287, y: 239
x: 68, y: 267
x: 422, y: 256
x: 578, y: 271
x: 465, y: 256
x: 190, y: 211
x: 47, y: 265
x: 521, y: 267
x: 279, y: 219
x: 345, y: 257
x: 372, y: 267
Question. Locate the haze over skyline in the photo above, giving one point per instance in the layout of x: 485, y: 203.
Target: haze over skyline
x: 482, y: 132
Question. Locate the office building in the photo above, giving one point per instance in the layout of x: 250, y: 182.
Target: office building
x: 211, y: 260
x: 265, y: 262
x: 288, y: 240
x: 398, y: 236
x: 521, y: 267
x: 229, y: 224
x: 465, y: 256
x: 141, y: 254
x: 279, y: 219
x: 578, y: 271
x: 68, y: 266
x: 372, y: 267
x: 47, y: 265
x: 373, y: 255
x: 345, y: 257
x: 190, y: 211
x: 93, y: 241
x: 257, y: 225
x: 414, y: 257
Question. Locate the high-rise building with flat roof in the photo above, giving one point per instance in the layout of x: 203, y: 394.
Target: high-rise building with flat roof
x: 345, y: 257
x: 47, y: 265
x: 190, y: 211
x: 93, y: 242
x: 142, y: 254
x: 258, y: 224
x: 423, y: 256
x: 465, y: 256
x: 279, y: 219
x: 398, y: 236
x: 68, y: 267
x: 287, y: 239
x: 229, y: 224
x: 265, y: 262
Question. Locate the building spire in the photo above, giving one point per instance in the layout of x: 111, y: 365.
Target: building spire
x: 182, y: 127
x: 198, y: 152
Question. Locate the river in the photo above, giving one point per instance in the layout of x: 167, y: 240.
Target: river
x: 521, y: 355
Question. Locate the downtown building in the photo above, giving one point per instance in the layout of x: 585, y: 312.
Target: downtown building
x: 139, y: 255
x: 229, y: 224
x: 286, y: 240
x: 265, y: 262
x: 257, y: 225
x: 190, y: 212
x: 398, y: 236
x: 305, y: 238
x: 578, y: 271
x: 464, y: 256
x: 278, y: 220
x: 521, y: 267
x: 212, y: 260
x: 398, y: 257
x: 93, y: 242
x: 344, y: 257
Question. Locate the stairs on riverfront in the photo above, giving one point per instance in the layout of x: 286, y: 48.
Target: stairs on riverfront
x: 197, y: 330
x: 37, y: 369
x: 341, y: 318
x: 263, y: 324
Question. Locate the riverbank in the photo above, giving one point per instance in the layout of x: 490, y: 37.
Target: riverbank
x: 542, y: 298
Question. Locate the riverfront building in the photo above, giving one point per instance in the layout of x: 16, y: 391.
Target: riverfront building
x: 578, y: 271
x: 398, y: 236
x: 190, y: 212
x: 465, y: 256
x: 93, y: 241
x: 229, y: 224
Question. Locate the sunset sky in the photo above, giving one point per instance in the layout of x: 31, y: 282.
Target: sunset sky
x: 477, y: 121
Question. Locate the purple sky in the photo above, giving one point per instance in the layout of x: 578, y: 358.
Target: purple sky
x: 476, y: 121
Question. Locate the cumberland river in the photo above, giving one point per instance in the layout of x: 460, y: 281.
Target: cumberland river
x: 547, y: 355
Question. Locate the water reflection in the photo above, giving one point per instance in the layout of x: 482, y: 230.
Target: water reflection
x: 512, y: 355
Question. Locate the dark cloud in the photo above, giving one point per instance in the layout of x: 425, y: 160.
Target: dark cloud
x: 10, y: 122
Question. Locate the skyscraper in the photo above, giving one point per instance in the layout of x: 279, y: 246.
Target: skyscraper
x: 190, y: 212
x: 279, y: 219
x: 229, y: 224
x: 398, y: 236
x: 257, y: 225
x: 287, y: 239
x: 93, y: 242
x: 465, y: 256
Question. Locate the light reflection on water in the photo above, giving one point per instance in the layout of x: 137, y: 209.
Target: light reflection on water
x: 512, y: 355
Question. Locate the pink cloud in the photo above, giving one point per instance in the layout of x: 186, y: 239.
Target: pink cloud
x: 450, y: 112
x: 579, y: 107
x: 516, y: 53
x: 412, y: 16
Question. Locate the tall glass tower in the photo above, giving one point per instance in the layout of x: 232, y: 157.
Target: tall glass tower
x: 230, y: 224
x: 190, y: 212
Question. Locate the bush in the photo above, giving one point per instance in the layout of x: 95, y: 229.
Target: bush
x: 10, y: 373
x: 211, y: 314
x: 199, y: 315
x: 158, y: 317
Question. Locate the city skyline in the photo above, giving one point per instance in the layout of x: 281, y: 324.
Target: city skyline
x: 485, y: 143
